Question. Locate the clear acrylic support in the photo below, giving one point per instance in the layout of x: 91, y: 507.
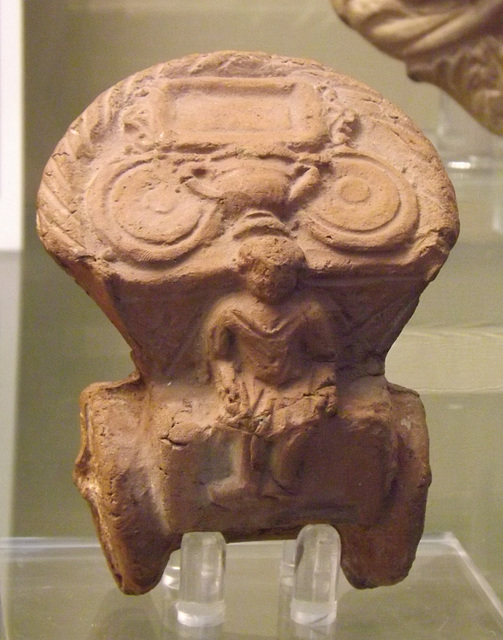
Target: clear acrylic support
x: 463, y: 143
x: 316, y: 573
x: 309, y: 573
x: 473, y: 158
x: 202, y: 569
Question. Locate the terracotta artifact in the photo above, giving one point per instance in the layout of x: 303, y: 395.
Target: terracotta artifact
x: 259, y: 229
x: 454, y: 44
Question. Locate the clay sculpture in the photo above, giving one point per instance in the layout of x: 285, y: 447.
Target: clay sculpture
x: 259, y: 229
x: 454, y: 44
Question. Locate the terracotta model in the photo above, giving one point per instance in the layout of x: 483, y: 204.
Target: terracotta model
x: 259, y: 229
x: 454, y: 44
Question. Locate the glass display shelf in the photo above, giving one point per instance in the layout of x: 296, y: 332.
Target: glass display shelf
x: 55, y: 588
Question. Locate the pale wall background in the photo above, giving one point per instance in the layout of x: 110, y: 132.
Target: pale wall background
x: 451, y: 352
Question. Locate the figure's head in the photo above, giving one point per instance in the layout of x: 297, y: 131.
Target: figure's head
x: 269, y: 266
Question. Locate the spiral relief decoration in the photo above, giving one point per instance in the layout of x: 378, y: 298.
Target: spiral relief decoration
x: 145, y: 212
x: 369, y: 206
x: 140, y: 179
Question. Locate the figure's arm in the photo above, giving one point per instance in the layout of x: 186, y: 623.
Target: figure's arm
x: 320, y: 342
x: 217, y: 348
x: 320, y: 345
x: 222, y: 365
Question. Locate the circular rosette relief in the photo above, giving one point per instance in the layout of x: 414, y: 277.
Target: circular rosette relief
x: 367, y: 206
x: 145, y: 212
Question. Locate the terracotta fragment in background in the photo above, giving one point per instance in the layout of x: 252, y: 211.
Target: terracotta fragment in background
x: 259, y: 229
x: 454, y: 44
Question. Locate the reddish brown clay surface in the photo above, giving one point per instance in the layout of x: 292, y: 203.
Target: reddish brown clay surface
x: 259, y: 229
x: 454, y: 44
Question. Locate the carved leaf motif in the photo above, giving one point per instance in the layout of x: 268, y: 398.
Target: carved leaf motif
x: 453, y: 44
x: 472, y: 74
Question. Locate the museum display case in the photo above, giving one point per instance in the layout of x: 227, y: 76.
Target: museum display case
x: 53, y: 578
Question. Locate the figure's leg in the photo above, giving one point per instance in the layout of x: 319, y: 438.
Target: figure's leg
x: 286, y: 457
x: 242, y: 482
x: 290, y: 433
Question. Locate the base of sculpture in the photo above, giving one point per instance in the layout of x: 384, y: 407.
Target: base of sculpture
x: 376, y: 501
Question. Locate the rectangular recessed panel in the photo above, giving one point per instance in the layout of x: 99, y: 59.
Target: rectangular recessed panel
x: 220, y: 109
